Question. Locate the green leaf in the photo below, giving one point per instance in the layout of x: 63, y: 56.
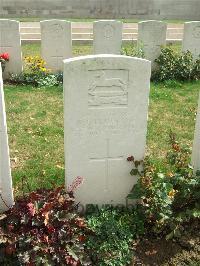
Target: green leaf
x: 134, y: 171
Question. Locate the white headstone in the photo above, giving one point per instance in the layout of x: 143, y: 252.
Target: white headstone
x: 196, y: 142
x: 56, y: 43
x: 107, y: 36
x: 6, y: 198
x: 151, y: 37
x: 191, y: 38
x: 106, y: 106
x: 10, y: 43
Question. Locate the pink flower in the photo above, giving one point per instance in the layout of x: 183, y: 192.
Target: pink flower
x: 75, y: 184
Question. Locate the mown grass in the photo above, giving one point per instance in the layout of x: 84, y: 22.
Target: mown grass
x: 34, y: 49
x: 35, y: 123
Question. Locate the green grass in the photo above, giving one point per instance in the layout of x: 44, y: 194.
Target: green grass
x: 35, y: 123
x: 34, y: 49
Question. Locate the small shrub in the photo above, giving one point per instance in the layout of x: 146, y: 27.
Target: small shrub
x: 173, y: 65
x: 168, y: 199
x: 43, y: 228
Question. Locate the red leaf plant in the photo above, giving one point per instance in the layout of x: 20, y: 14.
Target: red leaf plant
x: 44, y: 228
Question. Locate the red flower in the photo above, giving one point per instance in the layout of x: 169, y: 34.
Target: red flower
x: 10, y: 249
x: 5, y: 56
x: 51, y: 229
x: 81, y: 238
x: 130, y: 159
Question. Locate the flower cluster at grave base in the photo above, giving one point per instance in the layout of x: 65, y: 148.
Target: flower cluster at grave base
x: 43, y: 228
x: 4, y: 57
x: 36, y: 74
x: 35, y: 64
x: 168, y: 199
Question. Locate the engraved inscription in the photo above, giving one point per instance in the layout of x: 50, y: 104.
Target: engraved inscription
x: 115, y: 125
x: 55, y: 30
x: 196, y: 32
x: 109, y: 31
x: 108, y: 88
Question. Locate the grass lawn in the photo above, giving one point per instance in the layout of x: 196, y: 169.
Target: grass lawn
x: 35, y: 123
x: 34, y: 49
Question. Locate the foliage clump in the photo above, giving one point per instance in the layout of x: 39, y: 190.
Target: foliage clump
x: 36, y: 74
x: 176, y: 65
x: 43, y: 228
x: 168, y: 199
x: 114, y: 229
x: 133, y: 50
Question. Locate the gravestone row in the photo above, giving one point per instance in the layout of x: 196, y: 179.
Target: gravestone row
x: 56, y: 42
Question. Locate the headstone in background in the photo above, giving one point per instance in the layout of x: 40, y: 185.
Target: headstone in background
x: 6, y: 199
x: 10, y: 43
x: 191, y: 38
x: 107, y: 36
x: 196, y: 142
x: 151, y: 37
x: 106, y: 107
x: 56, y: 43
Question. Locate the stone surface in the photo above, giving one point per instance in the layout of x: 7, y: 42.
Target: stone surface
x: 56, y: 43
x: 107, y: 36
x: 134, y: 9
x: 5, y: 171
x: 10, y: 43
x: 151, y: 36
x: 196, y: 142
x: 106, y: 106
x: 191, y: 38
x: 83, y: 32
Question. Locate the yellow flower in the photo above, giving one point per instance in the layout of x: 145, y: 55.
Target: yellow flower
x: 172, y: 193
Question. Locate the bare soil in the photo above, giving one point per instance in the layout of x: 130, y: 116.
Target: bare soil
x: 184, y: 251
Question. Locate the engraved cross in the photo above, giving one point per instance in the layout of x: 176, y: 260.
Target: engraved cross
x: 107, y: 159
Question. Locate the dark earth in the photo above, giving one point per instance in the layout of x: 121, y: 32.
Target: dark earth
x: 184, y: 251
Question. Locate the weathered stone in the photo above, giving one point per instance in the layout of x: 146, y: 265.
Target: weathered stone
x: 56, y: 43
x: 6, y: 199
x: 106, y: 106
x: 10, y: 43
x: 196, y: 142
x: 151, y: 36
x: 191, y: 38
x: 107, y: 36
